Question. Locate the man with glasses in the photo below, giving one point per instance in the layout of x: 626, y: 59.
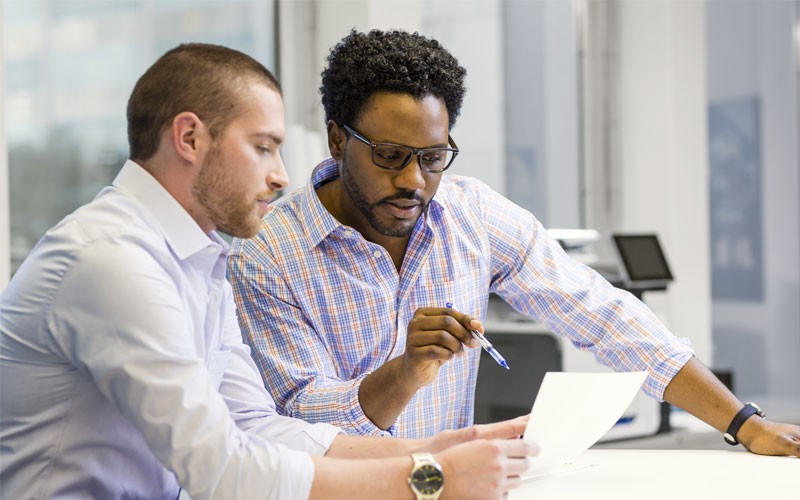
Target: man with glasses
x: 360, y: 291
x: 123, y: 370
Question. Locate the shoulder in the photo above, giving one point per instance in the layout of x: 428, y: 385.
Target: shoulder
x: 86, y: 235
x: 461, y: 193
x: 99, y: 258
x: 114, y: 246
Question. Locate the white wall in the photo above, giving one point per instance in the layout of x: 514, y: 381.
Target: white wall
x: 5, y: 225
x: 751, y: 54
x: 471, y: 31
x: 310, y: 29
x: 541, y: 110
x: 564, y: 182
x: 663, y: 158
x: 647, y: 163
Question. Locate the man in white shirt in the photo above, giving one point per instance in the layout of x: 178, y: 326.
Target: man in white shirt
x: 123, y: 370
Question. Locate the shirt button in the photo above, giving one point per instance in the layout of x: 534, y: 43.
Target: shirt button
x: 376, y: 253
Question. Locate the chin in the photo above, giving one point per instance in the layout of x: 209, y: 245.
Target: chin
x: 242, y: 230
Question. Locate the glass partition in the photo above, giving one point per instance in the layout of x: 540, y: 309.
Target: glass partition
x: 69, y: 69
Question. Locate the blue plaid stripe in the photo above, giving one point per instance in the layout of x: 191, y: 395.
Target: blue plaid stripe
x: 322, y: 308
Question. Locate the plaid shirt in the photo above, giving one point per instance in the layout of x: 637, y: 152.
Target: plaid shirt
x: 321, y: 307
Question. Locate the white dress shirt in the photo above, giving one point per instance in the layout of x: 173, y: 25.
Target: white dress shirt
x: 123, y: 370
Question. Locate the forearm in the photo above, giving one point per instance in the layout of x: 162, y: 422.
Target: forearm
x: 478, y: 469
x: 374, y: 478
x: 346, y: 446
x: 384, y: 394
x: 698, y: 391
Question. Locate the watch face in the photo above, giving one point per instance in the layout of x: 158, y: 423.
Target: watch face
x: 427, y: 479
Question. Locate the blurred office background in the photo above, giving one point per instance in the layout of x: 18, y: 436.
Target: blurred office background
x: 678, y: 117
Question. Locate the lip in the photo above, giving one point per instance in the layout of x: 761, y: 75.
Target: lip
x: 263, y: 204
x: 267, y: 199
x: 402, y: 212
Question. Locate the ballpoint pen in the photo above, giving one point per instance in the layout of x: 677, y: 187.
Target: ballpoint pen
x: 487, y: 346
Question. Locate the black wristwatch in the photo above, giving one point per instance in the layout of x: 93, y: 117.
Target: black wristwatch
x: 426, y: 479
x: 748, y: 410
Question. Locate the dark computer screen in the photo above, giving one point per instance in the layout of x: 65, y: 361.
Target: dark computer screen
x: 641, y: 258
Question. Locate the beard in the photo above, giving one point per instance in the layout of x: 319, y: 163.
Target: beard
x: 369, y: 210
x: 230, y: 209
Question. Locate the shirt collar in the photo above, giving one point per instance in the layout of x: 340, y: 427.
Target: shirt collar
x: 319, y: 223
x: 180, y: 230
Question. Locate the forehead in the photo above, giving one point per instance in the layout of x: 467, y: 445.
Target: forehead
x: 260, y: 110
x: 405, y: 119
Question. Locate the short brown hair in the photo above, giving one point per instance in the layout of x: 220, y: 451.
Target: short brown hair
x: 202, y: 78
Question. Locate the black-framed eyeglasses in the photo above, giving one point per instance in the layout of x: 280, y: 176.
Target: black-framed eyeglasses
x: 397, y: 156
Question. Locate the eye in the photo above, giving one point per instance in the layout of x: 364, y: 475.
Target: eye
x: 432, y: 157
x: 389, y: 153
x: 263, y: 150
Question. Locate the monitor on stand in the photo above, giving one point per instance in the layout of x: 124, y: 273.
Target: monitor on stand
x: 642, y: 263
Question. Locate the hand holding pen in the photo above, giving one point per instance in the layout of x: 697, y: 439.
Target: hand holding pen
x: 487, y: 346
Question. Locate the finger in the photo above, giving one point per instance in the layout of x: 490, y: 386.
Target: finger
x: 507, y: 429
x: 516, y: 467
x: 512, y: 482
x: 444, y: 330
x: 442, y: 338
x: 431, y: 352
x: 793, y: 445
x: 520, y: 422
x: 462, y: 331
x: 468, y: 321
x: 461, y: 326
x: 518, y: 448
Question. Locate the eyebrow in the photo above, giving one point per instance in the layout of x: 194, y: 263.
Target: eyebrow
x: 445, y: 146
x: 268, y: 135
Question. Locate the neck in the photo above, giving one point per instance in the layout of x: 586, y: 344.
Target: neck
x: 333, y: 198
x: 175, y: 181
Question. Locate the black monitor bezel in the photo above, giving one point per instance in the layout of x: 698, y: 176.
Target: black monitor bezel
x: 653, y: 282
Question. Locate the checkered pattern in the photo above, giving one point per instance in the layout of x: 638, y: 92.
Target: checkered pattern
x: 321, y: 307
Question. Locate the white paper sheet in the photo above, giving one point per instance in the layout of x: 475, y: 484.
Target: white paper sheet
x: 572, y: 411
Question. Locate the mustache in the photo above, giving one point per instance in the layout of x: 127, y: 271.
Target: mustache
x: 404, y: 195
x: 269, y: 196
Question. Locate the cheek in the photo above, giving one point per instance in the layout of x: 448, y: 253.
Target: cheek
x: 432, y: 185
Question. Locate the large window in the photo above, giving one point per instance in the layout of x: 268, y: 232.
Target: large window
x: 69, y: 69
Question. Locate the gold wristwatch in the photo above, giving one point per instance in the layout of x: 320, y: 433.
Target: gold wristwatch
x: 426, y: 478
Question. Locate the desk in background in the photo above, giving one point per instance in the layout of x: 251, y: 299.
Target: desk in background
x: 667, y: 475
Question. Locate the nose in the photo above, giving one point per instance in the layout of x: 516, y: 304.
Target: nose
x: 411, y: 177
x: 277, y: 177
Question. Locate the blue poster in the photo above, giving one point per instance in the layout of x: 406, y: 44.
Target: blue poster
x: 737, y: 257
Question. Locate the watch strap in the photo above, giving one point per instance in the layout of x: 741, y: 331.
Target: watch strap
x: 748, y: 410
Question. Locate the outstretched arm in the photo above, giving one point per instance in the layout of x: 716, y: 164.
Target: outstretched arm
x: 347, y: 446
x: 698, y: 391
x: 483, y: 469
x: 481, y: 461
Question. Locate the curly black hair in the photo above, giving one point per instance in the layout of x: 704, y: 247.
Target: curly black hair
x: 395, y: 61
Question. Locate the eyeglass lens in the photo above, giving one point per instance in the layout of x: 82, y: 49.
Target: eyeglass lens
x: 395, y: 156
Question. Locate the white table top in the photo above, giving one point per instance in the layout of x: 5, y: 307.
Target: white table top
x: 667, y: 474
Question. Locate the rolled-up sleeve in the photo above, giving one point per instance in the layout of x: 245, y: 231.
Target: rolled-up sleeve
x: 536, y: 277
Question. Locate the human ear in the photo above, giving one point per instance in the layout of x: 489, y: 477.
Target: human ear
x: 336, y: 140
x: 189, y: 136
